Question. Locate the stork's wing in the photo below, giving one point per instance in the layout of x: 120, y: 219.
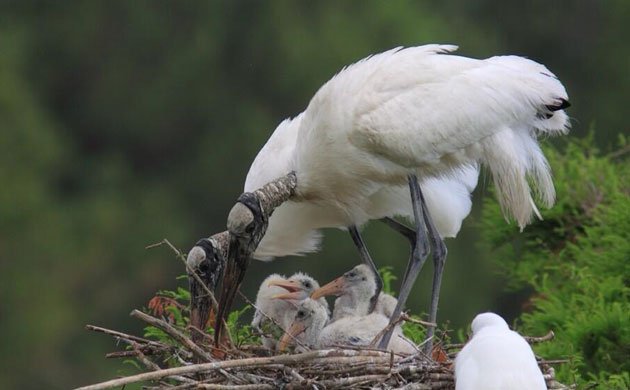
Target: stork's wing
x: 421, y: 109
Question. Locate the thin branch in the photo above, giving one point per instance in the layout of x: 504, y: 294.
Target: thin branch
x: 407, y: 318
x: 206, y: 367
x: 143, y: 359
x: 115, y: 333
x: 174, y: 333
x: 619, y: 152
x: 535, y: 340
x: 258, y: 386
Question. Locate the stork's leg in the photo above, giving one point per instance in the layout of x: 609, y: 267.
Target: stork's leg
x: 406, y: 231
x: 367, y: 260
x: 419, y: 253
x: 439, y: 259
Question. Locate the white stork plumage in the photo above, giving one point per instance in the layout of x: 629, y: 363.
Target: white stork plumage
x: 401, y: 133
x: 496, y: 358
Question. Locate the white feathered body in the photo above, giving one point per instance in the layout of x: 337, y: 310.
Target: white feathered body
x: 346, y: 307
x: 271, y: 312
x: 497, y: 358
x: 352, y: 330
x: 360, y: 331
x: 413, y: 110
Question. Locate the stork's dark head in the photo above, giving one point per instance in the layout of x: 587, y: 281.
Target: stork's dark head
x: 247, y: 225
x: 207, y: 262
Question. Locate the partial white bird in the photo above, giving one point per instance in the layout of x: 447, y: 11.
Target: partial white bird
x: 354, y: 289
x: 405, y: 117
x: 496, y: 358
x: 277, y: 307
x: 311, y: 328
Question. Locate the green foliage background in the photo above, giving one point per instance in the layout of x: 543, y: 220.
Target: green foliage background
x: 577, y: 262
x: 124, y: 122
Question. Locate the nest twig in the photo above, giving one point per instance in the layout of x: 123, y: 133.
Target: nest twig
x: 334, y: 368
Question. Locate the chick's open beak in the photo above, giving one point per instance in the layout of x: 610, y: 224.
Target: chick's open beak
x: 294, y: 288
x: 295, y: 330
x: 336, y: 287
x: 289, y: 285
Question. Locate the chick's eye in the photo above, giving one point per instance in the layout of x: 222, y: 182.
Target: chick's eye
x: 301, y: 313
x: 307, y: 284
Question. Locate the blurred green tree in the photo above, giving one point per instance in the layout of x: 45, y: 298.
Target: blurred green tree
x: 576, y: 262
x: 125, y: 122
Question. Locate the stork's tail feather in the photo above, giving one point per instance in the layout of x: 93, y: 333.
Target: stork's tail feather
x: 516, y: 162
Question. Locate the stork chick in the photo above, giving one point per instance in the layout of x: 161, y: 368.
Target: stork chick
x: 354, y: 290
x: 310, y: 328
x: 276, y: 304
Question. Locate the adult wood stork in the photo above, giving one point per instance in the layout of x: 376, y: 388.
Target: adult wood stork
x: 276, y: 304
x: 390, y: 120
x: 311, y: 328
x: 496, y: 358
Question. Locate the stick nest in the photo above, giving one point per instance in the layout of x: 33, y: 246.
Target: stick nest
x: 180, y: 363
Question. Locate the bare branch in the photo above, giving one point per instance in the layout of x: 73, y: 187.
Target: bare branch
x: 174, y: 333
x: 535, y: 340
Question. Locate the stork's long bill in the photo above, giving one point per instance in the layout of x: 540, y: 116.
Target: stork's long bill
x: 336, y: 287
x: 236, y: 266
x: 204, y: 267
x: 200, y: 305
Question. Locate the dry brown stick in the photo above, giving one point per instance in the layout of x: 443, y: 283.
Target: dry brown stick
x: 125, y: 336
x: 353, y: 380
x: 193, y: 385
x: 534, y: 340
x: 555, y: 361
x: 120, y: 354
x: 406, y: 317
x: 148, y: 363
x: 619, y: 152
x: 174, y: 333
x: 236, y: 387
x: 294, y: 374
x: 367, y: 348
x: 143, y: 359
x: 204, y: 367
x: 367, y: 368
